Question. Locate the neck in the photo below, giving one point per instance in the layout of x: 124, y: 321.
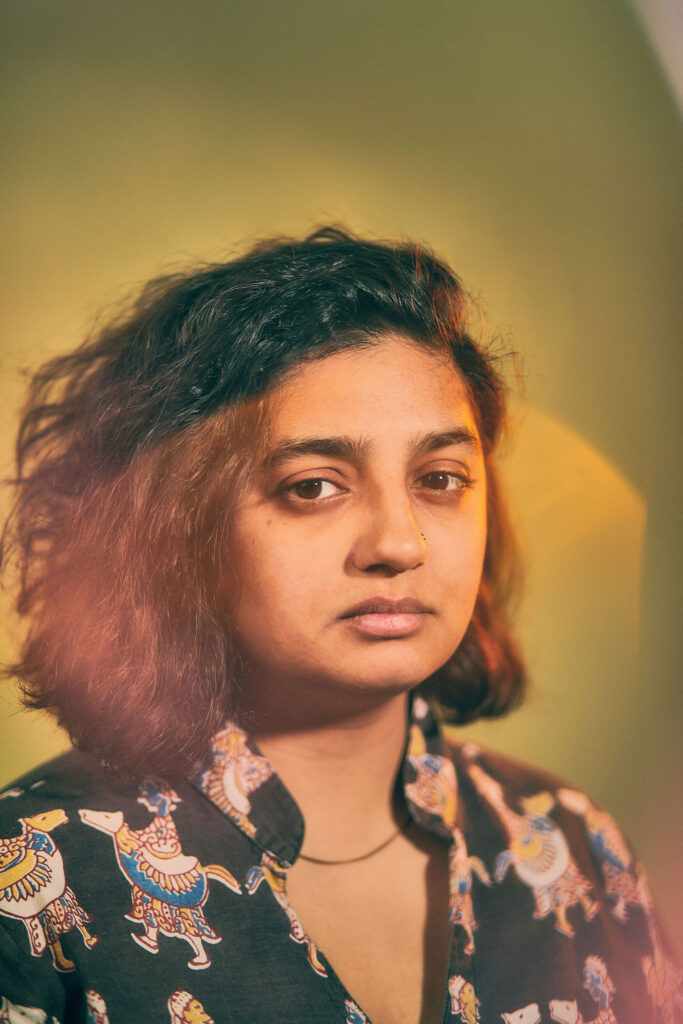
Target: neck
x: 342, y: 774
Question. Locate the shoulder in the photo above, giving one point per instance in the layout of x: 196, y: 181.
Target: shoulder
x: 55, y: 799
x: 508, y: 796
x: 541, y: 834
x: 73, y: 797
x: 527, y: 812
x: 65, y: 781
x: 498, y: 777
x: 515, y: 775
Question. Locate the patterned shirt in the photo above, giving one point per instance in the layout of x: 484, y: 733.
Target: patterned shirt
x: 162, y: 902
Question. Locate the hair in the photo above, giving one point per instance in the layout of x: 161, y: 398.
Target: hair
x: 134, y: 449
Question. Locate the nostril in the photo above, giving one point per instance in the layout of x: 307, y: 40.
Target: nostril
x: 389, y: 569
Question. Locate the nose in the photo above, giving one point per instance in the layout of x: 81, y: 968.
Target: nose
x: 389, y: 541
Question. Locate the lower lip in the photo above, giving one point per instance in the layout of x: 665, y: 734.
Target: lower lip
x: 386, y: 624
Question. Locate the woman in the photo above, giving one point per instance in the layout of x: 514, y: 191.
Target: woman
x: 262, y: 553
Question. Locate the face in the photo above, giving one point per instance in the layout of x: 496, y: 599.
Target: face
x: 360, y: 541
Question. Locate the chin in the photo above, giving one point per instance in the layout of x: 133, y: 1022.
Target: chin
x: 395, y: 672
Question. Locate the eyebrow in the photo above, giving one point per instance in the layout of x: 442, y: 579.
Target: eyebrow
x: 445, y: 438
x: 354, y: 450
x: 334, y: 447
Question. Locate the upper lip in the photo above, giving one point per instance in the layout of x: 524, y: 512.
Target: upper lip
x: 386, y: 606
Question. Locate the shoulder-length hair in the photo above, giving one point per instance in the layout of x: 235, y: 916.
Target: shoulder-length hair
x: 133, y: 450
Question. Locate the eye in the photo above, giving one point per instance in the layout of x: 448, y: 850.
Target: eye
x: 313, y: 489
x: 439, y: 480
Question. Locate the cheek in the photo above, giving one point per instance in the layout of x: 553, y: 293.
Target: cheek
x: 476, y: 548
x: 462, y: 568
x: 278, y: 576
x: 280, y: 600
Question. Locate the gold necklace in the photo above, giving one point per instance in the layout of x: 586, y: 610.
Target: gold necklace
x: 363, y: 856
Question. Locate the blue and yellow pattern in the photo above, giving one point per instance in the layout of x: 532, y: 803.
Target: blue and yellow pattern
x: 168, y: 888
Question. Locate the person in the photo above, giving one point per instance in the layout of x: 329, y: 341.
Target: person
x: 263, y: 559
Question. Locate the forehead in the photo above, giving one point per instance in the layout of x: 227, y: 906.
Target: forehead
x: 375, y: 389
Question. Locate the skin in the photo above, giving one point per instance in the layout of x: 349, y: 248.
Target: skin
x: 398, y: 513
x: 318, y: 533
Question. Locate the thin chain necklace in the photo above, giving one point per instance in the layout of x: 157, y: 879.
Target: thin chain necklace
x: 363, y: 856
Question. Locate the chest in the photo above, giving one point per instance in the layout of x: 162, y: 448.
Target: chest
x: 383, y: 926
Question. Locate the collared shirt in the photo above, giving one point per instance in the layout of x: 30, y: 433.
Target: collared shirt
x: 157, y: 902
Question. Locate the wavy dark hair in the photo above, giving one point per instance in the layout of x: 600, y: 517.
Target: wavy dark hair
x: 134, y: 448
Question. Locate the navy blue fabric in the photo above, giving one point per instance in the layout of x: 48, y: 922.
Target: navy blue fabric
x: 166, y: 900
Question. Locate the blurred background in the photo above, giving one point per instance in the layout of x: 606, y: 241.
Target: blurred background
x: 538, y: 147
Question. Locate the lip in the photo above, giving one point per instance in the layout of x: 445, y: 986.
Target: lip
x: 384, y: 618
x: 387, y: 606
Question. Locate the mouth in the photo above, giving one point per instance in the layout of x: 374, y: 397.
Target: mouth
x: 383, y: 618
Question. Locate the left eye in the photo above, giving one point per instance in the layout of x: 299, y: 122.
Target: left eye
x: 314, y: 488
x: 440, y: 481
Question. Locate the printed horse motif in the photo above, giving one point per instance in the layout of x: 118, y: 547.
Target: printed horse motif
x: 354, y: 1014
x: 270, y: 871
x: 434, y: 792
x: 12, y: 1013
x: 527, y: 1015
x: 185, y: 1009
x: 598, y: 982
x: 625, y: 882
x: 168, y: 888
x: 464, y: 1002
x: 539, y: 853
x: 97, y: 1008
x: 235, y: 772
x: 620, y: 872
x: 33, y: 888
x: 460, y: 868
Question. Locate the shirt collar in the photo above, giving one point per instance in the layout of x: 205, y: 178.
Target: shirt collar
x: 429, y: 780
x: 241, y: 783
